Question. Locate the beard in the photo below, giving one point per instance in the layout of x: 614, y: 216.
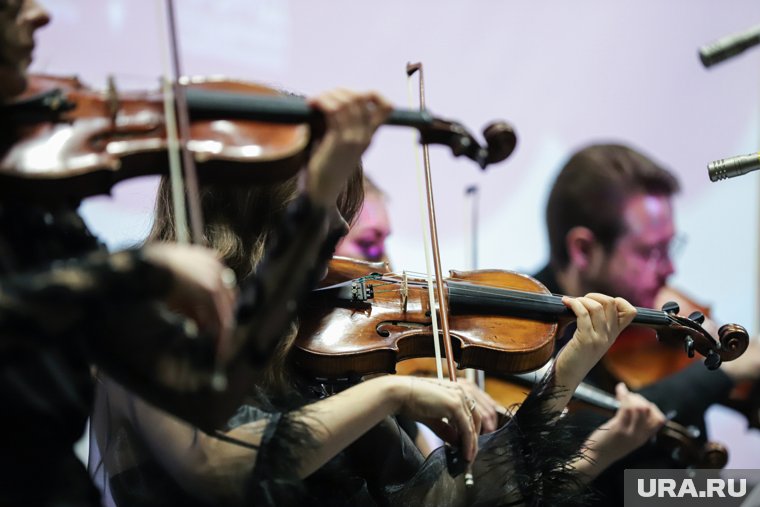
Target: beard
x: 637, y: 296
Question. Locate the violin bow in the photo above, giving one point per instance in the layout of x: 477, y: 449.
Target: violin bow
x: 181, y: 161
x: 411, y: 69
x: 177, y: 120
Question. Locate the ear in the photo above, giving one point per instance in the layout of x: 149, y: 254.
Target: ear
x: 580, y: 243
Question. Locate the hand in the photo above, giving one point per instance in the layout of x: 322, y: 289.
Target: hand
x: 635, y: 422
x: 486, y: 407
x: 429, y: 401
x: 351, y: 119
x: 600, y: 320
x: 203, y: 290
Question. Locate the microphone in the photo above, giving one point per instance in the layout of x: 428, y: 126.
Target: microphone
x: 733, y: 166
x: 731, y: 45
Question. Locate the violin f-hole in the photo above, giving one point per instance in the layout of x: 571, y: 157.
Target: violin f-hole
x: 385, y: 328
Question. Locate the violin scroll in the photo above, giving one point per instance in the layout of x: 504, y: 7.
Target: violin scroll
x: 714, y: 455
x: 734, y: 340
x: 684, y: 447
x: 501, y: 140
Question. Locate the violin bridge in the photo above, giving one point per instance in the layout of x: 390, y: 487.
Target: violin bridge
x: 404, y: 291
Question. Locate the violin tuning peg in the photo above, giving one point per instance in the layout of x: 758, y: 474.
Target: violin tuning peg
x: 688, y: 345
x: 671, y: 307
x: 697, y: 317
x: 713, y: 360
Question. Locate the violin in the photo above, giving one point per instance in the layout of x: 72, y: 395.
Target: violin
x: 72, y: 140
x: 364, y: 320
x: 638, y: 362
x: 680, y: 442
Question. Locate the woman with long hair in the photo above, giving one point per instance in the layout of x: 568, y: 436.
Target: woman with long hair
x: 286, y: 447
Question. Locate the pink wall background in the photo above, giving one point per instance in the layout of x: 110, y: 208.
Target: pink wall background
x: 564, y: 73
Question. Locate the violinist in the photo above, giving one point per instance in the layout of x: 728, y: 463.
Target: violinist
x: 633, y: 424
x: 610, y: 225
x: 365, y: 240
x: 62, y: 296
x: 67, y: 304
x: 343, y: 450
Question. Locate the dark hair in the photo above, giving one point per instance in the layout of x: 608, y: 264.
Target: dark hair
x: 238, y: 223
x: 239, y: 220
x: 592, y: 189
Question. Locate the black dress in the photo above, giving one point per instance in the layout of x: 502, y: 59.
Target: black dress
x: 523, y: 463
x: 54, y: 280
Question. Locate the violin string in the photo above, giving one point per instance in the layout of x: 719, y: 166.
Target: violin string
x: 468, y: 291
x: 525, y: 297
x: 474, y: 292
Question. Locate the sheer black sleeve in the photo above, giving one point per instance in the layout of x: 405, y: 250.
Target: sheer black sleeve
x: 525, y: 462
x: 270, y: 297
x: 48, y: 304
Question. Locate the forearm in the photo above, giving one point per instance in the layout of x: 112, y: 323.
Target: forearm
x: 216, y: 469
x: 563, y: 379
x: 593, y: 461
x: 338, y: 421
x: 203, y: 465
x: 294, y: 260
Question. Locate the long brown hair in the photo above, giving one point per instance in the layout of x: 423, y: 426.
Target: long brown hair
x: 238, y: 223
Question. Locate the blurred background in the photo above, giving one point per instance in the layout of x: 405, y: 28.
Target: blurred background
x: 565, y: 74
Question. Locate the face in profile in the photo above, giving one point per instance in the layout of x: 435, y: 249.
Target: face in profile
x: 366, y: 238
x: 640, y: 262
x: 19, y: 19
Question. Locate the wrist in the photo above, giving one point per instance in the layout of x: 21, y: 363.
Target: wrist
x: 395, y: 391
x: 569, y: 369
x: 316, y: 189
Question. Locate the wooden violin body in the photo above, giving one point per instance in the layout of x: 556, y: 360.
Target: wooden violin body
x: 500, y: 321
x: 66, y: 139
x: 341, y: 338
x: 682, y: 443
x: 74, y: 141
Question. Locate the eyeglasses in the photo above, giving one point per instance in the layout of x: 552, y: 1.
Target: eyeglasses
x: 654, y: 255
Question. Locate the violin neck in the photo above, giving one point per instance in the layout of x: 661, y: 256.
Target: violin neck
x: 210, y: 104
x: 472, y: 298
